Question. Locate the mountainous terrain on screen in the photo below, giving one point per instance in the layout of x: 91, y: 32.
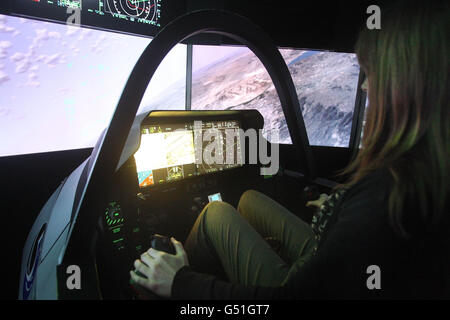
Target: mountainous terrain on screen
x: 325, y: 82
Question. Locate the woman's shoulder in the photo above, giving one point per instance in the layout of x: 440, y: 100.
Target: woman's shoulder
x: 371, y: 192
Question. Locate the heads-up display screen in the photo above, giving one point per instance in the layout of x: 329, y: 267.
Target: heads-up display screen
x: 172, y: 152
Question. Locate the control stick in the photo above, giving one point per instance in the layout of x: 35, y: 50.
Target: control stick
x: 160, y: 243
x: 311, y: 193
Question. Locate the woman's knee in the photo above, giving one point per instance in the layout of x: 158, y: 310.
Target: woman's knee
x: 214, y: 216
x: 219, y: 212
x: 248, y: 200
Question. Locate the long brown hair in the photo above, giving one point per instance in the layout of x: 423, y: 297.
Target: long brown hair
x: 407, y: 122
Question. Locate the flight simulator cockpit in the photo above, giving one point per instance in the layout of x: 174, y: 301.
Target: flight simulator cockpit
x: 169, y: 178
x: 176, y: 108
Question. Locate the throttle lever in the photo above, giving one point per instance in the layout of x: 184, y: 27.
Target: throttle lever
x: 311, y: 193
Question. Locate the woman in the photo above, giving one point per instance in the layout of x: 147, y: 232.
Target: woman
x: 385, y: 233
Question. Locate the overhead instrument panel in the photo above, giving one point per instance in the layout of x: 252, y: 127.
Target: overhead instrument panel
x: 141, y: 10
x: 131, y: 16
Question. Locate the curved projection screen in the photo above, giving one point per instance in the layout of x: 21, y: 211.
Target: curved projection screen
x: 59, y: 84
x: 326, y: 83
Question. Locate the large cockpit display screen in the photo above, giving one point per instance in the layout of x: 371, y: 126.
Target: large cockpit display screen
x: 177, y: 151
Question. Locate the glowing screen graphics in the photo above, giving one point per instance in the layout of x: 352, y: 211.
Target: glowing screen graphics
x: 169, y: 152
x: 214, y: 197
x: 326, y: 83
x: 133, y: 11
x: 66, y: 3
x: 59, y: 84
x: 147, y: 10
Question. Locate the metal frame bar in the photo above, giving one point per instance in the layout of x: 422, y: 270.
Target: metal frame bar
x: 189, y: 77
x: 358, y: 115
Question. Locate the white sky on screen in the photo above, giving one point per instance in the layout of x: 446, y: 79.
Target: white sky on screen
x: 59, y: 85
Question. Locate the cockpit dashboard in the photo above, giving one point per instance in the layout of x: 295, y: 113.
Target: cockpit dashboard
x: 167, y: 179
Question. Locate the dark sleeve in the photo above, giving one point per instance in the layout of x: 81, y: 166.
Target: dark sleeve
x: 359, y: 238
x: 189, y: 284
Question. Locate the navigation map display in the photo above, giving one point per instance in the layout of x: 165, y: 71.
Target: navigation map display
x: 169, y: 152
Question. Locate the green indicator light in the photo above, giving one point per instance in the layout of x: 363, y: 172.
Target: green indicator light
x: 136, y: 229
x: 116, y: 214
x: 118, y: 240
x: 116, y: 230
